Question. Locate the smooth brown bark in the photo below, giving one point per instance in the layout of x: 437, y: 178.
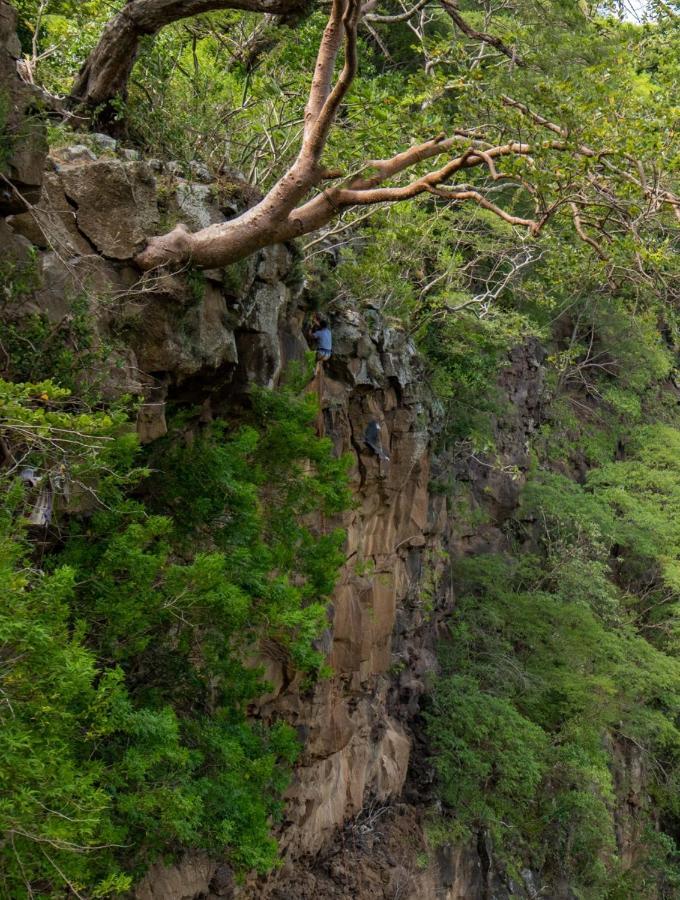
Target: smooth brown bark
x: 271, y: 220
x: 268, y: 222
x: 283, y: 214
x: 287, y: 211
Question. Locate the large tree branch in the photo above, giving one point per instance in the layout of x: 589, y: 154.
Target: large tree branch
x: 320, y: 115
x: 322, y: 79
x: 275, y: 218
x: 106, y: 72
x: 260, y: 226
x: 286, y: 212
x: 369, y: 16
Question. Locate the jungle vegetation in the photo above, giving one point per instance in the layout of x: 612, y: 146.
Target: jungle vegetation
x: 481, y: 173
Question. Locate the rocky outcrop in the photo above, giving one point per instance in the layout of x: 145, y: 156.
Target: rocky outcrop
x: 355, y: 747
x: 22, y: 132
x: 189, y: 335
x: 352, y: 826
x: 355, y: 815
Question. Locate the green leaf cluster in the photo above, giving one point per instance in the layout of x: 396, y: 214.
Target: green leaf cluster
x: 130, y: 654
x: 563, y: 654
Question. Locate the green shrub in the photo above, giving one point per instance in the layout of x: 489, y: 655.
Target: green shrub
x: 132, y: 652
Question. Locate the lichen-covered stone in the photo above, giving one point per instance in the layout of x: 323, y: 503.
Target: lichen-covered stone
x: 52, y: 222
x: 199, y: 171
x: 195, y: 205
x: 105, y: 141
x: 74, y: 153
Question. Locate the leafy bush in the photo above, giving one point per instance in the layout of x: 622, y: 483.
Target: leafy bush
x: 131, y: 656
x: 560, y: 658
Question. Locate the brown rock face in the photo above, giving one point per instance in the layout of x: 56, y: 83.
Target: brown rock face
x: 213, y: 333
x: 353, y: 826
x: 348, y: 830
x: 356, y: 748
x: 22, y: 134
x: 188, y: 879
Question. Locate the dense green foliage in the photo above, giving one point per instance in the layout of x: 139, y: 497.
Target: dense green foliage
x: 128, y: 638
x: 563, y: 665
x: 129, y: 653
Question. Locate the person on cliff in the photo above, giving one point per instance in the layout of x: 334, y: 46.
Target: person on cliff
x: 373, y: 441
x: 323, y: 339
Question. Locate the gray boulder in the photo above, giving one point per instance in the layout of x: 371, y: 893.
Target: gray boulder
x: 116, y: 204
x: 22, y: 130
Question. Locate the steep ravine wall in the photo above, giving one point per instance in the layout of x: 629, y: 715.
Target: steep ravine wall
x: 354, y: 825
x: 354, y: 820
x: 203, y: 341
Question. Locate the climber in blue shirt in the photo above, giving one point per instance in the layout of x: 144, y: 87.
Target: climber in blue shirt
x: 324, y: 340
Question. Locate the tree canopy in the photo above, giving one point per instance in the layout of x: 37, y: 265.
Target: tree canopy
x: 532, y: 112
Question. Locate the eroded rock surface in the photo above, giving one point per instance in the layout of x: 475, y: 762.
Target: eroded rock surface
x: 115, y: 203
x: 189, y: 335
x: 353, y: 827
x: 204, y: 338
x: 22, y: 131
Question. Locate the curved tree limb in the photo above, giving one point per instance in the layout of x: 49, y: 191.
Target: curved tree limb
x: 106, y: 71
x: 470, y: 194
x: 287, y: 211
x: 398, y: 17
x: 277, y: 218
x: 580, y: 231
x: 262, y: 225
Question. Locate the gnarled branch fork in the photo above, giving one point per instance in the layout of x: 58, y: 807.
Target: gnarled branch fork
x: 283, y: 214
x: 288, y: 211
x: 106, y: 72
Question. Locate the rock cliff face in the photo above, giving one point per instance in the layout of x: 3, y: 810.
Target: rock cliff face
x: 352, y: 824
x: 206, y: 341
x: 22, y: 140
x: 354, y: 827
x: 354, y: 817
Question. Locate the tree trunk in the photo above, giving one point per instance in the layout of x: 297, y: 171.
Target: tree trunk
x: 106, y: 72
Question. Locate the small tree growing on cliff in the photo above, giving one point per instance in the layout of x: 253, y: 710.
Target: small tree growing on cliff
x: 602, y: 190
x: 309, y: 195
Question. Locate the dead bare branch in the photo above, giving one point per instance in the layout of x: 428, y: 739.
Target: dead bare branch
x: 451, y: 7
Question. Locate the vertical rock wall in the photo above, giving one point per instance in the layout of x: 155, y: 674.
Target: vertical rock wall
x: 353, y: 825
x: 22, y: 134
